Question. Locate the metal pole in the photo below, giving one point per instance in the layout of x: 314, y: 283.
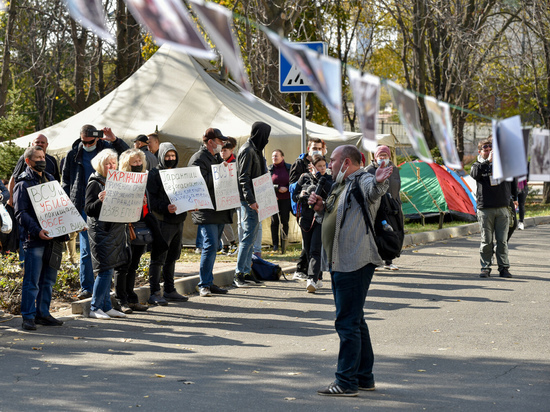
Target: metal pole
x: 304, y: 130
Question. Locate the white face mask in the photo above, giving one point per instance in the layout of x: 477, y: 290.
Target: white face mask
x: 218, y: 149
x: 89, y: 148
x: 315, y: 152
x: 383, y: 162
x: 340, y: 176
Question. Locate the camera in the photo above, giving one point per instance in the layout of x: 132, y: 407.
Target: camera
x: 94, y: 133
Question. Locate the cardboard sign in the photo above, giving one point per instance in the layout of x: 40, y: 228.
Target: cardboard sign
x: 265, y: 196
x: 54, y: 210
x: 226, y: 189
x: 186, y: 188
x: 123, y: 202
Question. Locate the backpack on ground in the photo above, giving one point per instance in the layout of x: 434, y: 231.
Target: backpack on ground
x: 389, y: 243
x: 264, y: 270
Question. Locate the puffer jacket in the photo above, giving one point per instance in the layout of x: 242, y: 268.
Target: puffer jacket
x: 156, y: 195
x: 250, y: 161
x: 73, y: 175
x: 109, y: 241
x: 204, y: 160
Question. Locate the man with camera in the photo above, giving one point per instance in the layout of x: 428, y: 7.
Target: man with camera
x: 76, y: 171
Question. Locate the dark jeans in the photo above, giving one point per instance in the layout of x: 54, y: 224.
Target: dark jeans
x: 280, y: 218
x: 355, y: 358
x: 522, y: 196
x: 125, y: 277
x: 303, y: 263
x: 312, y: 246
x: 165, y: 261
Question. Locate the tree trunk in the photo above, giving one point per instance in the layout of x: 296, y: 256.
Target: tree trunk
x: 546, y: 193
x: 79, y: 42
x: 5, y: 79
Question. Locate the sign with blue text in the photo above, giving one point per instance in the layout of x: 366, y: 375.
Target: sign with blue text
x: 291, y: 79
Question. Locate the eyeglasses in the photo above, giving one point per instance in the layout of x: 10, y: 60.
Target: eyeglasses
x: 88, y: 143
x: 487, y: 146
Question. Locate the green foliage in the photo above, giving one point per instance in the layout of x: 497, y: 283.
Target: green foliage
x: 10, y: 154
x: 14, y: 125
x: 68, y: 279
x: 11, y: 281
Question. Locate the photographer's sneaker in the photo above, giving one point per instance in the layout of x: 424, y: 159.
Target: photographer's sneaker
x: 311, y: 286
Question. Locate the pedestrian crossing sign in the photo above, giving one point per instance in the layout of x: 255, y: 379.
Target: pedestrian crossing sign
x: 291, y: 79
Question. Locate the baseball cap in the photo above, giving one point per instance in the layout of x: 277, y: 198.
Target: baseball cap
x: 214, y: 134
x: 141, y: 138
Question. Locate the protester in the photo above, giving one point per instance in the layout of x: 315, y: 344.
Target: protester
x: 352, y: 256
x: 382, y: 156
x: 493, y: 199
x: 76, y: 172
x: 153, y: 139
x: 311, y: 229
x: 299, y: 167
x: 109, y: 243
x: 171, y: 226
x: 132, y: 160
x: 39, y: 276
x: 250, y: 165
x: 141, y: 142
x: 280, y: 172
x: 229, y: 241
x: 211, y: 221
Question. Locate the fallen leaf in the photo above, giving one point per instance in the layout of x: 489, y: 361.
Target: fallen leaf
x: 35, y: 348
x: 160, y: 376
x: 294, y: 373
x: 77, y: 337
x: 290, y: 399
x: 35, y: 368
x: 255, y: 371
x: 421, y: 370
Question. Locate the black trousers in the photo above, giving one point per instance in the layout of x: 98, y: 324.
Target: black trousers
x: 281, y: 219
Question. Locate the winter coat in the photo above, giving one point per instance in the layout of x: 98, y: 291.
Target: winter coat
x: 250, y: 161
x: 73, y: 175
x: 24, y: 211
x: 156, y: 195
x: 298, y: 168
x: 109, y: 241
x: 204, y: 160
x: 395, y: 179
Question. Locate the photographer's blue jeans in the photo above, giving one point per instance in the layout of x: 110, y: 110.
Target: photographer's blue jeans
x: 211, y: 235
x: 355, y: 358
x: 249, y: 227
x: 38, y: 282
x: 101, y: 298
x: 86, y: 270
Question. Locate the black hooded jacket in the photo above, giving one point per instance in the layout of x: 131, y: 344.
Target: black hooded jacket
x: 250, y: 161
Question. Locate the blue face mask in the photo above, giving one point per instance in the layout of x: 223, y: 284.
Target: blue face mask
x: 383, y: 162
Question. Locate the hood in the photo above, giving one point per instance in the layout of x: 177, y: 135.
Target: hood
x: 260, y: 135
x: 163, y: 149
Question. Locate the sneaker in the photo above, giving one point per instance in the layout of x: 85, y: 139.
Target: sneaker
x: 115, y: 313
x: 217, y: 290
x: 367, y: 387
x: 204, y: 292
x: 125, y: 309
x: 251, y: 278
x: 138, y: 307
x: 233, y: 250
x: 391, y: 266
x: 503, y: 273
x: 336, y: 390
x: 299, y: 276
x: 48, y: 321
x: 198, y: 251
x: 521, y: 226
x: 311, y: 286
x: 239, y: 282
x: 28, y: 324
x: 485, y: 273
x: 175, y: 296
x: 319, y: 284
x: 98, y: 314
x: 84, y: 294
x: 157, y: 299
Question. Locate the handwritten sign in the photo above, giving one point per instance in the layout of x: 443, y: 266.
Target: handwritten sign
x: 186, y: 188
x: 226, y: 188
x: 54, y: 210
x: 265, y: 196
x: 124, y: 196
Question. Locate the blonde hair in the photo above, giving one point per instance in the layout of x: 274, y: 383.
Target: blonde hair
x: 124, y: 161
x: 101, y: 157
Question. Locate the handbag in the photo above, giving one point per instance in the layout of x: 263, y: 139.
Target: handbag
x: 5, y: 220
x: 142, y: 234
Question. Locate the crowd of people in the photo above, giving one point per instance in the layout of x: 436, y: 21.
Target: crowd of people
x: 328, y: 210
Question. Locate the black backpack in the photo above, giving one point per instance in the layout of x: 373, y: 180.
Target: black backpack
x: 389, y: 243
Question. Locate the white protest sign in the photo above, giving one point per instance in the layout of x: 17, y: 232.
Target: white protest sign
x: 54, y: 210
x: 226, y: 189
x: 124, y: 196
x: 265, y: 196
x: 186, y: 188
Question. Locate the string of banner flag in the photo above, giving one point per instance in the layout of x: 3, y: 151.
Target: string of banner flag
x: 170, y: 22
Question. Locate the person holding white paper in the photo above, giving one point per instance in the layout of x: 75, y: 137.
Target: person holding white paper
x: 171, y: 226
x: 493, y: 199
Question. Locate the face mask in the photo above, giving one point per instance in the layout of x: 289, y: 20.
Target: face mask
x: 340, y: 177
x: 315, y: 152
x: 170, y: 163
x: 89, y: 148
x: 39, y: 165
x: 383, y: 162
x: 218, y: 149
x: 137, y: 169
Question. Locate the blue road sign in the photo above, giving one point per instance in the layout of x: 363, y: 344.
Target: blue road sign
x: 291, y: 79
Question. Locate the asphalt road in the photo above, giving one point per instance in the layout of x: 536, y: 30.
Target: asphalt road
x: 444, y: 340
